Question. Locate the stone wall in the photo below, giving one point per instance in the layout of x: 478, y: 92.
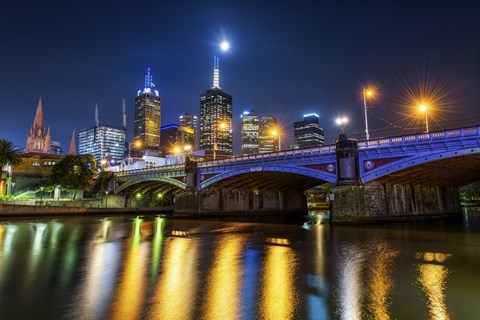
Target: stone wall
x: 383, y: 202
x: 220, y: 201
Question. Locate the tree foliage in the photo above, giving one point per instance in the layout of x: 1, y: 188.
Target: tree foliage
x: 74, y: 173
x: 8, y: 154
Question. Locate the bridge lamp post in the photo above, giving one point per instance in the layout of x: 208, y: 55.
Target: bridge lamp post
x: 137, y: 144
x: 221, y: 126
x: 276, y: 133
x: 424, y: 108
x: 367, y: 93
x: 103, y: 162
x: 342, y: 122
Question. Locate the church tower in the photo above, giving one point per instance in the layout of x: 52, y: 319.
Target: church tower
x: 38, y: 139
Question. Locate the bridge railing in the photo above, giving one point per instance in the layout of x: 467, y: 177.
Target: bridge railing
x: 173, y: 167
x: 270, y: 156
x: 437, y: 135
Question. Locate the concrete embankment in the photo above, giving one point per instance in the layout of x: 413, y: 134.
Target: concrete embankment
x: 17, y: 210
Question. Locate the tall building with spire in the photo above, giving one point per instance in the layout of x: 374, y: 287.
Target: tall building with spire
x: 38, y: 139
x: 147, y: 118
x: 102, y: 141
x: 216, y: 119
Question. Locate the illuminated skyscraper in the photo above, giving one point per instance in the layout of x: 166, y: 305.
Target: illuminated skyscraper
x: 250, y: 132
x: 268, y: 139
x: 308, y: 133
x: 102, y: 141
x: 216, y: 119
x: 38, y: 139
x: 147, y: 118
x: 189, y: 123
x: 174, y: 136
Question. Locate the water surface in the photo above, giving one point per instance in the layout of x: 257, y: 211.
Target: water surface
x: 162, y: 268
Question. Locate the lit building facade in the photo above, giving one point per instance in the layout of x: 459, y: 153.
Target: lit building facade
x: 269, y: 138
x: 308, y: 133
x: 250, y: 132
x: 56, y: 147
x: 216, y: 119
x: 189, y: 121
x: 175, y: 136
x: 38, y: 139
x: 103, y: 142
x: 147, y: 118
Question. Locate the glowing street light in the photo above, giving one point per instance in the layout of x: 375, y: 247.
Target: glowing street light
x: 424, y: 108
x: 276, y: 133
x: 136, y: 144
x: 342, y: 122
x: 367, y: 93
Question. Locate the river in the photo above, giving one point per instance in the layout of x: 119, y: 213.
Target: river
x: 155, y: 267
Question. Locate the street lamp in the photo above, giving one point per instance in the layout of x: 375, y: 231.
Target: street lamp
x: 103, y: 162
x: 367, y: 93
x: 424, y: 108
x: 221, y: 126
x: 137, y: 144
x: 342, y: 122
x: 41, y: 193
x: 276, y: 133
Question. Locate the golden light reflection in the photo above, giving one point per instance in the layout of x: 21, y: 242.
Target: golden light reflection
x: 2, y: 232
x: 100, y: 281
x: 106, y: 229
x: 127, y: 303
x: 157, y: 247
x: 350, y: 281
x: 433, y: 277
x: 278, y: 292
x: 177, y: 286
x: 224, y: 284
x: 381, y: 281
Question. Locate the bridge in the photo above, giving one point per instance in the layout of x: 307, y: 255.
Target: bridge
x: 425, y: 166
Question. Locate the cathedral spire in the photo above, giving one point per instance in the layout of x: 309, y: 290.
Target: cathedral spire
x: 47, y: 147
x: 216, y: 73
x: 97, y: 122
x: 72, y: 151
x: 38, y: 122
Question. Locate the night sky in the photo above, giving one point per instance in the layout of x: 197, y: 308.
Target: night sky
x: 287, y: 58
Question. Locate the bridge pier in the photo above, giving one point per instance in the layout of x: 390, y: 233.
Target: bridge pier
x: 224, y: 201
x: 383, y: 202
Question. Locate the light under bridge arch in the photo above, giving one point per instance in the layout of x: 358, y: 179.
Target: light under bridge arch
x: 170, y: 181
x: 322, y: 176
x: 414, y: 160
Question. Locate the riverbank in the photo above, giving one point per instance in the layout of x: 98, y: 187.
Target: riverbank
x: 25, y: 210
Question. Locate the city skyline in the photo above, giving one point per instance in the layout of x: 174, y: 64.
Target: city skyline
x: 317, y: 62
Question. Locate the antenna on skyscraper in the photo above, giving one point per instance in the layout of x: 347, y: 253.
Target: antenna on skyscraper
x: 148, y: 80
x: 97, y: 123
x: 216, y: 73
x: 124, y: 114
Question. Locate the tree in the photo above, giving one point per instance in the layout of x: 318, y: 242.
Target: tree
x: 74, y: 173
x: 8, y: 156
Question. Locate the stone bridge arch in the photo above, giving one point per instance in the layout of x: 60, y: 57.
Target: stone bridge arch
x: 445, y: 167
x: 270, y: 177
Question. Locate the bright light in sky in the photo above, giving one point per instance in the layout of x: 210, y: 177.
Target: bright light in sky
x: 225, y: 46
